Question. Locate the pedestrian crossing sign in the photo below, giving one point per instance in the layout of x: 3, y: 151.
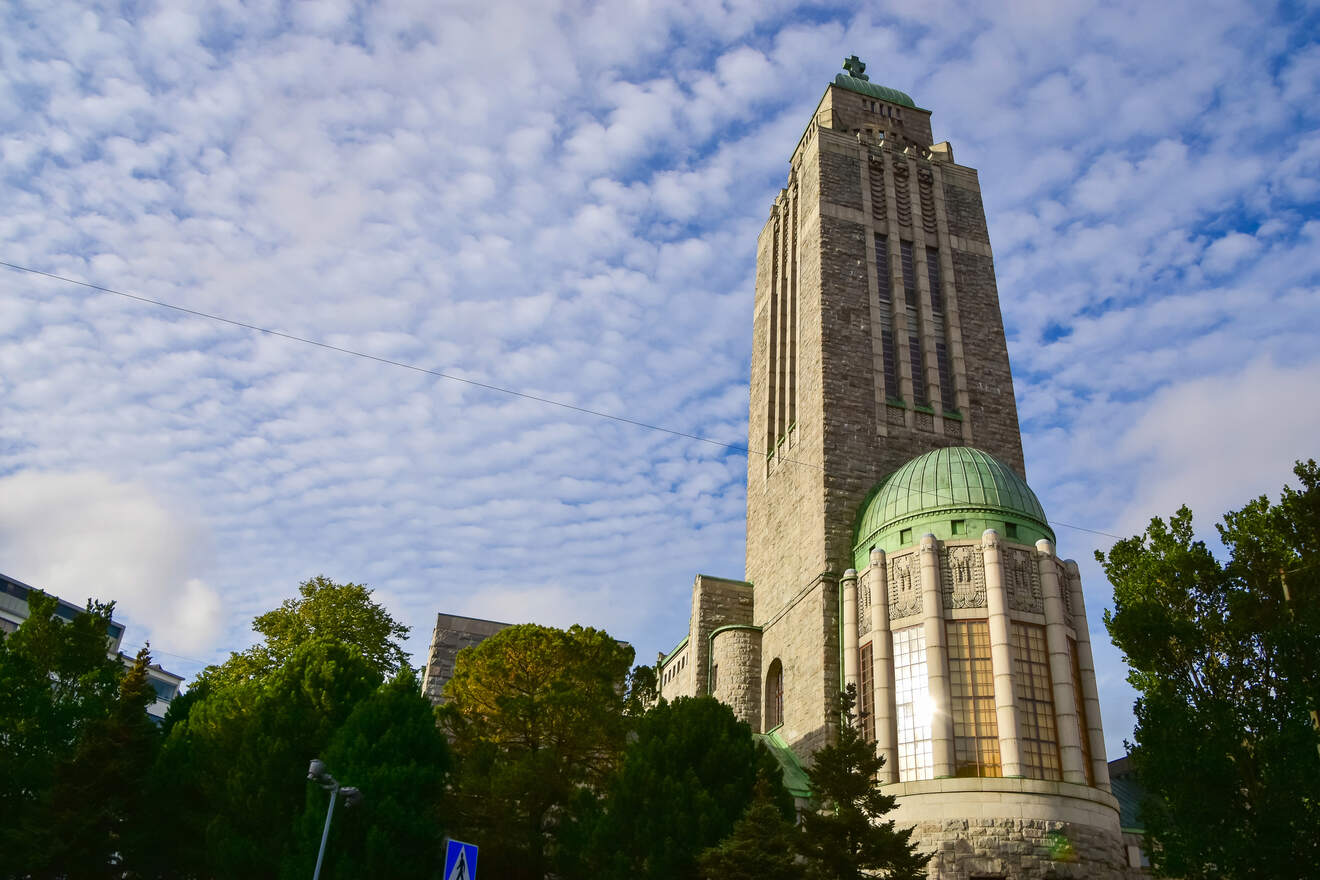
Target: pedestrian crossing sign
x: 460, y: 860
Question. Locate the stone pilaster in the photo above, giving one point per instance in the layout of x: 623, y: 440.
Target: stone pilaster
x: 1056, y: 640
x: 1001, y: 655
x: 850, y: 656
x: 882, y: 660
x: 1086, y: 669
x: 937, y: 658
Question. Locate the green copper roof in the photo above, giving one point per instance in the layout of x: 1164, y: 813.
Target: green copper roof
x: 948, y: 484
x: 795, y: 778
x: 864, y: 87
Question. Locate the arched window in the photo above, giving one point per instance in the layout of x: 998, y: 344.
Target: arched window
x: 774, y: 696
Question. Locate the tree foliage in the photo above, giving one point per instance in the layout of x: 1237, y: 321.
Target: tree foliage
x: 761, y: 846
x: 685, y: 779
x: 344, y: 613
x: 536, y: 714
x: 74, y: 741
x: 845, y: 835
x: 389, y: 748
x: 1225, y: 657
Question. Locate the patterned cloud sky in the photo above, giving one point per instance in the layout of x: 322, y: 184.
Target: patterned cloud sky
x: 563, y: 198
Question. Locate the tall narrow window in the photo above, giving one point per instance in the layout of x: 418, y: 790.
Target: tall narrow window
x: 774, y: 696
x: 866, y: 695
x: 1083, y: 727
x: 772, y: 342
x: 912, y: 704
x: 972, y: 692
x: 947, y: 400
x: 919, y: 394
x: 887, y: 352
x: 1034, y: 695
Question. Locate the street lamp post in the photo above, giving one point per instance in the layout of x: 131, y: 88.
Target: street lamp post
x: 316, y: 772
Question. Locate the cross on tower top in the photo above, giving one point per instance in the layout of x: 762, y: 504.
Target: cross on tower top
x: 856, y: 67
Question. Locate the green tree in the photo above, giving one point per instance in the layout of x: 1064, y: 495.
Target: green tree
x: 762, y: 845
x: 231, y: 776
x: 536, y: 714
x: 343, y: 613
x: 1224, y: 659
x: 391, y: 750
x: 58, y: 693
x: 685, y: 779
x: 845, y: 835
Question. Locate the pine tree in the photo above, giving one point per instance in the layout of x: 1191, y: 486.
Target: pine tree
x: 845, y: 836
x: 762, y: 845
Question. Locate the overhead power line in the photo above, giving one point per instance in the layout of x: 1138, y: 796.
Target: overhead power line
x: 291, y: 337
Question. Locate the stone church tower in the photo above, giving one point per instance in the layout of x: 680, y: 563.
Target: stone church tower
x: 892, y: 540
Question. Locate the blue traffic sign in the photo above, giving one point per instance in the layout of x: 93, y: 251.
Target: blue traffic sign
x: 460, y: 860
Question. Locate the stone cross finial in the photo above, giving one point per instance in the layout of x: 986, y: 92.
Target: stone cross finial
x: 856, y: 67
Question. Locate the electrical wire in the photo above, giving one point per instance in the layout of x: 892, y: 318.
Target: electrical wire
x: 744, y: 450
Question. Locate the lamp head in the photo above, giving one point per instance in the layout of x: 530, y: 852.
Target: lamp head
x: 316, y: 770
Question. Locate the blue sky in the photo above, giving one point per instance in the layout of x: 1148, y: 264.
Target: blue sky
x: 563, y: 198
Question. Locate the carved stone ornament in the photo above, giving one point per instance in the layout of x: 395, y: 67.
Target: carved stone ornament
x: 864, y: 597
x: 1023, y: 578
x: 1065, y: 587
x: 964, y: 577
x: 904, y: 586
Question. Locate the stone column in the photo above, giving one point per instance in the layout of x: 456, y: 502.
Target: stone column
x: 937, y: 658
x: 1001, y: 654
x: 1086, y: 672
x: 882, y: 672
x: 849, y: 588
x: 1056, y: 640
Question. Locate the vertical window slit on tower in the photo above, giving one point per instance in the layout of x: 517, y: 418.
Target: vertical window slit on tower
x: 878, y: 208
x: 947, y: 398
x: 792, y: 313
x: 920, y: 395
x: 772, y: 365
x: 887, y: 352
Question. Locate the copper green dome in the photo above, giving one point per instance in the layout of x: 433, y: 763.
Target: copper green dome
x: 955, y: 493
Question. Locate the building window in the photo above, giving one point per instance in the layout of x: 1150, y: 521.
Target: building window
x: 866, y: 695
x: 714, y: 677
x: 1034, y: 695
x: 887, y: 352
x: 1010, y: 530
x: 912, y: 704
x: 958, y: 527
x: 972, y: 692
x: 947, y: 397
x: 774, y: 696
x: 919, y: 393
x: 1083, y: 727
x: 905, y: 536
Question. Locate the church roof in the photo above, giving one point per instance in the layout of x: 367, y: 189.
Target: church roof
x: 874, y: 90
x: 944, y: 483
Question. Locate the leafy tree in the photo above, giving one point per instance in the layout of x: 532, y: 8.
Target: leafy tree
x: 231, y: 774
x: 58, y: 692
x: 845, y: 836
x: 762, y: 845
x: 684, y: 781
x: 390, y: 749
x: 643, y: 689
x: 536, y: 714
x: 1224, y: 659
x: 343, y: 613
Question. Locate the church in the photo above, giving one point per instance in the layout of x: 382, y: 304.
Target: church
x: 893, y: 542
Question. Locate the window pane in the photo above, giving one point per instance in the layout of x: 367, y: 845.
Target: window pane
x: 912, y: 705
x: 1034, y: 696
x: 971, y: 683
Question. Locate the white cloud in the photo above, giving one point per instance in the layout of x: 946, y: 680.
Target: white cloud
x: 85, y: 535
